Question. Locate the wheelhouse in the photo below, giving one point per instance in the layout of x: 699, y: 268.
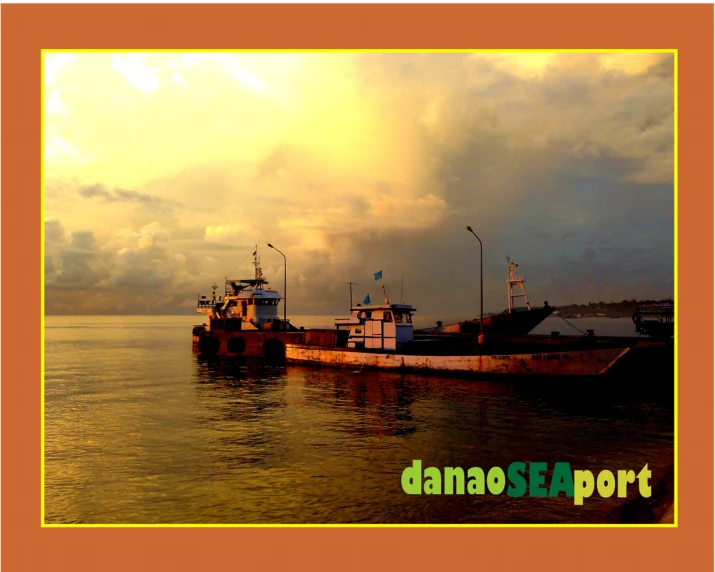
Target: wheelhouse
x: 378, y: 326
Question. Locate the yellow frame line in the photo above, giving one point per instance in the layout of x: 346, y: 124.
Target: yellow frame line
x: 42, y: 285
x: 370, y: 51
x: 676, y: 336
x: 359, y: 526
x: 43, y: 524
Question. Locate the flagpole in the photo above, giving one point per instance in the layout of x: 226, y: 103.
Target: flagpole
x: 285, y: 285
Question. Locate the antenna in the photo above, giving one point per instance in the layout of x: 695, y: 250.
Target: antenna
x: 384, y: 293
x: 351, y: 291
x: 402, y: 286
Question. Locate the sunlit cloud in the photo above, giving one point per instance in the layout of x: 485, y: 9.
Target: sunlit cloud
x: 54, y: 62
x: 178, y: 79
x: 228, y: 61
x: 178, y: 164
x: 53, y: 104
x: 135, y: 73
x: 228, y: 233
x: 58, y: 150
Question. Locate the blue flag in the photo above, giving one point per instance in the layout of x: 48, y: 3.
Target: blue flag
x: 366, y: 301
x: 378, y: 275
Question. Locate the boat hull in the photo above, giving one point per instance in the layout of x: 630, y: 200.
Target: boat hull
x: 517, y: 323
x: 577, y: 362
x: 247, y: 343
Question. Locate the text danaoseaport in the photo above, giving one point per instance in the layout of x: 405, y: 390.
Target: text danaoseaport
x: 579, y: 484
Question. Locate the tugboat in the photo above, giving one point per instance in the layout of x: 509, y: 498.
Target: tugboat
x: 512, y: 321
x: 244, y: 321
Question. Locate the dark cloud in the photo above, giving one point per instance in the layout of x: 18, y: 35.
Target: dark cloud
x: 74, y: 264
x: 588, y: 254
x: 122, y: 195
x: 96, y: 190
x: 534, y: 232
x: 611, y: 249
x: 83, y: 240
x: 54, y: 231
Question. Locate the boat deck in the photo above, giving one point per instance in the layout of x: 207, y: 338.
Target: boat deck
x: 461, y: 344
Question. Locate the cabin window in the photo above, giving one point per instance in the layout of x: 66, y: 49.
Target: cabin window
x: 398, y: 318
x: 368, y: 315
x: 408, y: 318
x: 387, y: 317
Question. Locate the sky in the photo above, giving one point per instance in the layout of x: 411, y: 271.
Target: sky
x: 164, y: 170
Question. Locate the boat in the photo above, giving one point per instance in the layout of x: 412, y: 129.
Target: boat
x: 244, y: 321
x: 655, y: 319
x: 512, y: 321
x: 381, y: 336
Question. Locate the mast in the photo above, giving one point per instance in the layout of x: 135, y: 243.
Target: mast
x: 350, y: 284
x: 513, y: 279
x: 259, y: 270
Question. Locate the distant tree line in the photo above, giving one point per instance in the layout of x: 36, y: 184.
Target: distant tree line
x: 622, y: 309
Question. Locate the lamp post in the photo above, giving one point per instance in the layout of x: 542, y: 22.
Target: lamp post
x: 481, y: 286
x: 285, y: 285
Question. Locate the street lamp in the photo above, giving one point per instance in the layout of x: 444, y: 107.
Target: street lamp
x: 481, y: 285
x: 285, y: 285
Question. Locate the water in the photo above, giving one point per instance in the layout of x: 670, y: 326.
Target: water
x: 139, y: 430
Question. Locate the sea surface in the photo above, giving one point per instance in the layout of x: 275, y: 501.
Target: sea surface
x: 139, y: 430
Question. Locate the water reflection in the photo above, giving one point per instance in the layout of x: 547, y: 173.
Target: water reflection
x: 377, y: 404
x: 139, y: 430
x: 237, y: 400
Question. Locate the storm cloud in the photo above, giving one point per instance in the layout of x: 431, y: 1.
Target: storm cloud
x: 352, y: 163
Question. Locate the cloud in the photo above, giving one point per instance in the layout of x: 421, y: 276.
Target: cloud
x: 73, y: 263
x: 53, y: 64
x: 588, y: 254
x: 121, y: 195
x: 135, y: 72
x: 228, y: 233
x: 54, y: 231
x: 354, y: 162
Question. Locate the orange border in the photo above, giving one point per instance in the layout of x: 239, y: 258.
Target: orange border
x: 26, y: 29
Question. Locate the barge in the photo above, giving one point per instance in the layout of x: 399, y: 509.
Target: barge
x: 381, y: 336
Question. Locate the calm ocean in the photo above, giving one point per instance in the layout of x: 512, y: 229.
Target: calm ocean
x: 139, y: 430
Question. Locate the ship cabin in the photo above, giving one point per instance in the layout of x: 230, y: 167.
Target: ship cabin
x: 376, y: 326
x: 245, y: 305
